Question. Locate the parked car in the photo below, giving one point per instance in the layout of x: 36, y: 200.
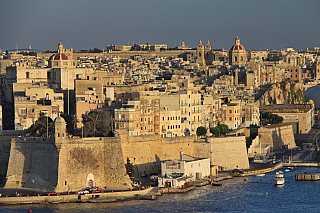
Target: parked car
x: 135, y: 184
x: 237, y: 171
x: 33, y: 194
x: 98, y: 191
x: 82, y: 192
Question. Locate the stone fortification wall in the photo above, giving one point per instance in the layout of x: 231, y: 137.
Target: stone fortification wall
x: 33, y: 163
x: 225, y: 152
x: 146, y: 152
x: 5, y: 144
x: 85, y: 162
x: 76, y: 164
x: 277, y: 135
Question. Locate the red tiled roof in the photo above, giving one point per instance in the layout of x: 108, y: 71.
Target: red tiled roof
x: 237, y: 47
x: 60, y: 56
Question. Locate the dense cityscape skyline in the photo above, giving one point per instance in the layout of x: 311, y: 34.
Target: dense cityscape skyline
x: 85, y: 25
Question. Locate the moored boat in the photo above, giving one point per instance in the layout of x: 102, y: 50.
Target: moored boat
x: 216, y: 184
x: 278, y: 179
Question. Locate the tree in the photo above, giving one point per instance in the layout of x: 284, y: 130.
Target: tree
x: 71, y: 121
x: 39, y: 128
x: 224, y: 129
x: 97, y: 123
x: 129, y: 168
x: 215, y: 130
x: 201, y: 130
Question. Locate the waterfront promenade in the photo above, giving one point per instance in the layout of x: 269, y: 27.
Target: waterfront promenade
x: 147, y: 193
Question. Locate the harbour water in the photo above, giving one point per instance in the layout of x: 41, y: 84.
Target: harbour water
x: 258, y: 194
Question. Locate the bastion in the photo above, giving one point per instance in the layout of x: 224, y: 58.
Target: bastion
x: 66, y: 164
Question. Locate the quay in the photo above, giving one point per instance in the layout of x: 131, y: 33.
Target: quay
x: 150, y: 193
x: 307, y: 176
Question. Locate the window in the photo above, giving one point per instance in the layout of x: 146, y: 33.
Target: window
x: 27, y: 74
x: 24, y: 111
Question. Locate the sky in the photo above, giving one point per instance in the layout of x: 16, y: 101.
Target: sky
x: 81, y: 24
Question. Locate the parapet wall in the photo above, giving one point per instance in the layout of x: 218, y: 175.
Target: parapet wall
x: 277, y: 136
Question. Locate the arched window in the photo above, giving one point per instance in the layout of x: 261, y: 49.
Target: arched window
x: 235, y: 58
x: 241, y: 58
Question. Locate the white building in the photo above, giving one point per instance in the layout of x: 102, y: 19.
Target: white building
x: 187, y: 166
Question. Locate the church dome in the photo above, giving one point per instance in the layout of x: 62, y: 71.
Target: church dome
x: 237, y: 46
x: 59, y: 56
x: 313, y: 93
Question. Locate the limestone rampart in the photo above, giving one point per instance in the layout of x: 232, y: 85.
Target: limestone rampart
x: 277, y: 136
x: 33, y: 163
x: 76, y: 164
x: 225, y: 152
x: 146, y: 151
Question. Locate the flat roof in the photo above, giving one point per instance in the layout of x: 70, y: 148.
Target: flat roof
x: 286, y: 108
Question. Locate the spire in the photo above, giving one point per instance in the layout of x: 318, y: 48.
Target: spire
x: 200, y: 43
x: 208, y: 43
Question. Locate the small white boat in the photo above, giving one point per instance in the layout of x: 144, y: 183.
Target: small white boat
x: 278, y: 179
x: 260, y: 175
x: 287, y: 170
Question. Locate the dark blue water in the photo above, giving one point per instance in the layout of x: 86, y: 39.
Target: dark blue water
x: 258, y: 194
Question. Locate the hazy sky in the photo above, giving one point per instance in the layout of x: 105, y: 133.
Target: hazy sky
x: 260, y: 24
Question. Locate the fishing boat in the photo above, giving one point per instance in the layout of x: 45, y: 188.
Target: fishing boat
x: 278, y: 179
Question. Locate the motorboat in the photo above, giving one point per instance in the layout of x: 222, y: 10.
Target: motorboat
x: 260, y: 175
x: 215, y: 184
x: 278, y: 179
x: 287, y: 170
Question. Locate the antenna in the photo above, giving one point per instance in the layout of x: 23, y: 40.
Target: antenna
x: 128, y: 42
x: 17, y: 47
x: 175, y: 43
